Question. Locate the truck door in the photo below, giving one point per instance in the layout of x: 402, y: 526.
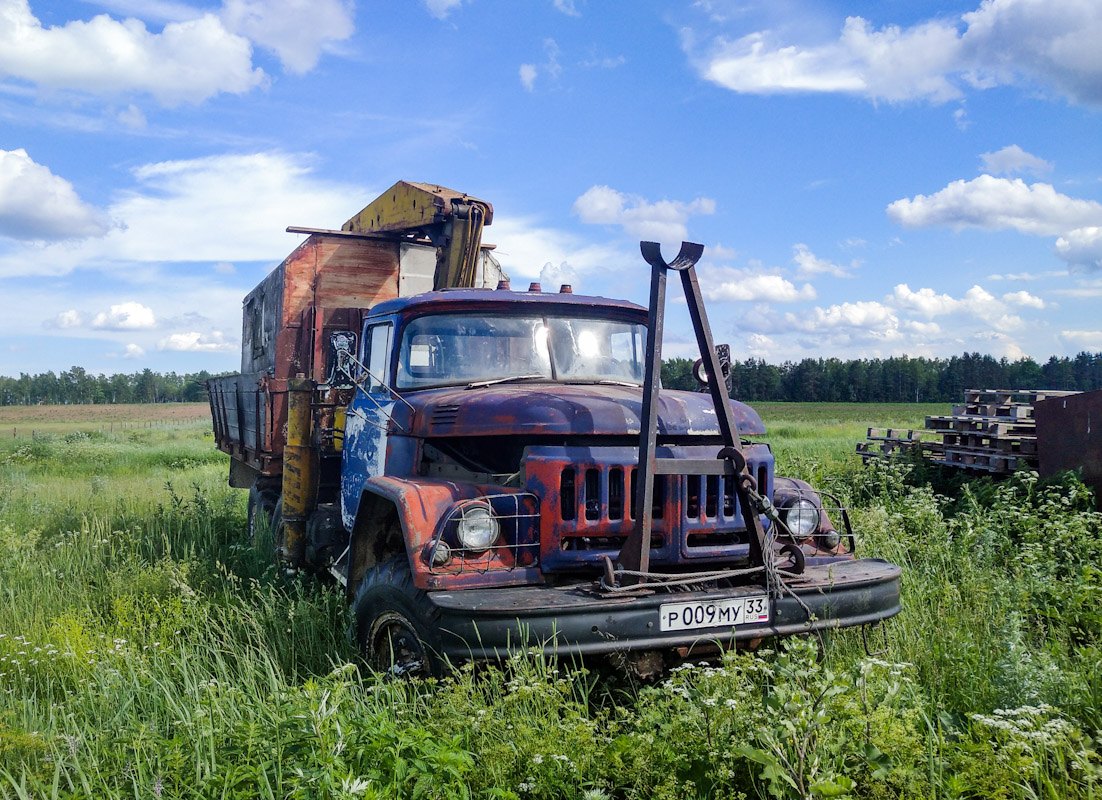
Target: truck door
x: 367, y: 423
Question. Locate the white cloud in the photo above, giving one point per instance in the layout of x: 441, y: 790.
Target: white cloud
x: 66, y: 319
x: 976, y: 302
x: 187, y: 61
x: 1023, y: 299
x: 604, y: 62
x: 553, y: 276
x: 1048, y: 43
x: 297, y: 31
x: 997, y: 204
x: 810, y: 265
x: 1082, y: 247
x: 230, y: 208
x: 760, y: 345
x: 1013, y: 159
x: 551, y: 66
x: 663, y: 221
x: 224, y: 268
x: 567, y: 7
x: 133, y: 351
x: 999, y: 345
x: 125, y: 317
x: 1051, y: 43
x: 726, y: 284
x: 926, y: 329
x: 441, y: 8
x: 889, y: 64
x: 1089, y: 340
x: 525, y: 248
x: 195, y: 342
x: 871, y: 317
x: 925, y: 301
x: 1028, y: 276
x: 36, y: 205
x: 718, y: 252
x: 132, y: 117
x: 528, y: 74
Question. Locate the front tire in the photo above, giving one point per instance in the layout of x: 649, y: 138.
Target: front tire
x: 395, y: 624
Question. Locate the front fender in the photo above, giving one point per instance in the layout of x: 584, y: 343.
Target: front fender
x: 422, y: 505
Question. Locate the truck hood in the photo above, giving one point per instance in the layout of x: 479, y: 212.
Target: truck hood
x: 566, y: 409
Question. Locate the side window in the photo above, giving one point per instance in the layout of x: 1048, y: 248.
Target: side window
x: 377, y: 350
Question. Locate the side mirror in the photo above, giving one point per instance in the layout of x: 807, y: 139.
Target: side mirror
x: 340, y: 358
x: 723, y: 353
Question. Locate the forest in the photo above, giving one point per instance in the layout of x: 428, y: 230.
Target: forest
x: 77, y: 386
x: 893, y: 380
x: 890, y: 380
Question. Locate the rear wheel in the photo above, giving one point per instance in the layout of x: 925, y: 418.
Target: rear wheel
x: 262, y: 505
x: 395, y: 624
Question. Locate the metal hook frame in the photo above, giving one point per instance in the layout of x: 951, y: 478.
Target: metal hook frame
x: 635, y: 553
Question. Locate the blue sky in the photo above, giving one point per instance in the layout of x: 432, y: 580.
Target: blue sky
x: 869, y: 179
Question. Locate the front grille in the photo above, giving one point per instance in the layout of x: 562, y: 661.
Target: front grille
x: 588, y: 506
x: 600, y: 494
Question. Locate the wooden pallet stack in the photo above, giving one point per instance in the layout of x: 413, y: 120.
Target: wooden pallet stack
x: 991, y: 431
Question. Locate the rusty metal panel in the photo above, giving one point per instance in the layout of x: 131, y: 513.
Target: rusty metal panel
x: 343, y: 273
x: 262, y: 320
x: 1069, y: 436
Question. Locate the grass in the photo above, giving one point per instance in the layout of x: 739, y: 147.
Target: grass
x: 147, y: 650
x: 25, y: 421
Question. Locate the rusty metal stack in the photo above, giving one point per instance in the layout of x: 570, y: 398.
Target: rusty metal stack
x: 897, y: 443
x: 993, y: 430
x: 1069, y: 437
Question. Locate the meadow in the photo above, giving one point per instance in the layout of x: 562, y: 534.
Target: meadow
x: 148, y: 650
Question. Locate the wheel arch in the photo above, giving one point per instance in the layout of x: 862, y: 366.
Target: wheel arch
x: 417, y: 506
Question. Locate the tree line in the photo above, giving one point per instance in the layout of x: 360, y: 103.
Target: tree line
x: 893, y: 380
x: 890, y: 380
x: 76, y: 386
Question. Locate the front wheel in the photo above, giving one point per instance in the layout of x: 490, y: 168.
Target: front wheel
x: 395, y: 624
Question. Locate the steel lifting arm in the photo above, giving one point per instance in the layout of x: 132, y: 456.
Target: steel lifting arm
x: 634, y: 556
x: 452, y: 221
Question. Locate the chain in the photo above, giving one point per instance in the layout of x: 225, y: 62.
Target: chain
x: 775, y: 583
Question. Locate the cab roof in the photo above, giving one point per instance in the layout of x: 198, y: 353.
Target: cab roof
x: 460, y: 299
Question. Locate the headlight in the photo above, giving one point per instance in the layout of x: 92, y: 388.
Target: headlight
x: 477, y: 528
x: 802, y: 518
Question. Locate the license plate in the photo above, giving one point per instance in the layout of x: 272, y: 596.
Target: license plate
x: 713, y: 613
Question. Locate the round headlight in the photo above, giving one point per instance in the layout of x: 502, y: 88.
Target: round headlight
x: 477, y: 528
x: 802, y: 518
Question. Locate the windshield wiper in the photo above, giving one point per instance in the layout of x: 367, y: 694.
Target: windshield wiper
x: 492, y: 381
x: 606, y: 382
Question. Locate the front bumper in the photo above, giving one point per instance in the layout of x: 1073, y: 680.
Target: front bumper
x: 574, y: 619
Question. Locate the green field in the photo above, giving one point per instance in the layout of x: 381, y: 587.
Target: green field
x: 147, y: 650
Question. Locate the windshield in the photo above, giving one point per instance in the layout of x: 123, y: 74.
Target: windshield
x: 449, y: 349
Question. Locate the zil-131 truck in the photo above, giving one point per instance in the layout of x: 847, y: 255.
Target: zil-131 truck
x: 483, y: 469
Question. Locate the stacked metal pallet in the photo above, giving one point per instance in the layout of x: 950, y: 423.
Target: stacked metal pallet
x: 992, y: 431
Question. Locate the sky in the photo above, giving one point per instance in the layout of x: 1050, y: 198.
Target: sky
x: 868, y: 179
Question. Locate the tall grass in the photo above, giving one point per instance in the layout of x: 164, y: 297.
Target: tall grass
x: 147, y: 650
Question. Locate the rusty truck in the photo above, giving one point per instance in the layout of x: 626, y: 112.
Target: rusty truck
x: 481, y: 468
